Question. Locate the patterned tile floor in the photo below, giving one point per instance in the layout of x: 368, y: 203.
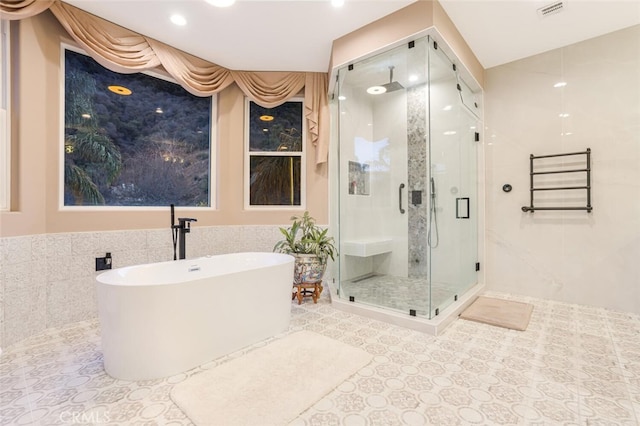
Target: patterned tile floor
x: 574, y: 365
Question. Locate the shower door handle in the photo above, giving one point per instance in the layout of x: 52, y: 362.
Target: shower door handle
x: 462, y: 208
x: 400, y: 198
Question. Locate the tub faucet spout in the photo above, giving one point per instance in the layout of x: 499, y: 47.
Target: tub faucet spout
x: 179, y: 231
x: 184, y: 227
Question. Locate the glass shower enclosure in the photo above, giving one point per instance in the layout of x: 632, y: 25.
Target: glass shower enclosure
x: 408, y: 126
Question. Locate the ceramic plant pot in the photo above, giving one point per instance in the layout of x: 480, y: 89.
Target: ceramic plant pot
x: 308, y: 268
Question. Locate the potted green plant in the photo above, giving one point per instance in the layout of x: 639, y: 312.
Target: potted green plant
x: 310, y: 245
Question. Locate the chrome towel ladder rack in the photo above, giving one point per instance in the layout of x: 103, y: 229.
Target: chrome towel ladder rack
x: 533, y: 189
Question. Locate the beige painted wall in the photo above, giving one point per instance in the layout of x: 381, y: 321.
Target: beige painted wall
x: 37, y: 147
x: 456, y: 42
x: 411, y: 21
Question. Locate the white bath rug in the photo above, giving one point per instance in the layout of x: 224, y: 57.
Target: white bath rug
x: 271, y: 385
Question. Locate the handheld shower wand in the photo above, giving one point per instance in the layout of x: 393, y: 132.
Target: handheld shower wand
x: 433, y: 242
x: 174, y: 232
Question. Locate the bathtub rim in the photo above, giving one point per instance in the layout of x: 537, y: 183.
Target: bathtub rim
x: 118, y: 276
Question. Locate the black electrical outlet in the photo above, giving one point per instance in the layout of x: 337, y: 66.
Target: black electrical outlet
x: 103, y: 263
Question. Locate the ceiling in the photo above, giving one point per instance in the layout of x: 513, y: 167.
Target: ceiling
x: 296, y: 35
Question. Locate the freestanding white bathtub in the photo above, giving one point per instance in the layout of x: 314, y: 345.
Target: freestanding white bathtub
x: 161, y: 319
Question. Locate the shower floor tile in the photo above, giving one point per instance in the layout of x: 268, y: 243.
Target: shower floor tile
x: 573, y: 365
x: 398, y: 293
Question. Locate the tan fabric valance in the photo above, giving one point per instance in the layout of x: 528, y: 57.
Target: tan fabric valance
x: 14, y: 10
x: 125, y: 51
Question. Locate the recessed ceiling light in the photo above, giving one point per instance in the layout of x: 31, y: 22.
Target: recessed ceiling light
x: 159, y: 110
x: 413, y: 78
x: 266, y: 117
x: 560, y: 84
x: 450, y: 132
x: 563, y: 115
x: 221, y: 3
x: 342, y: 98
x: 376, y: 90
x: 178, y: 20
x: 120, y: 90
x: 337, y: 3
x: 447, y: 108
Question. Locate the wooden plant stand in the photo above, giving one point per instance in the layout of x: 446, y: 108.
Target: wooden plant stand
x: 307, y: 289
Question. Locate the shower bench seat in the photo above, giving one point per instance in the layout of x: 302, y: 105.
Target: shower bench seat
x: 367, y: 247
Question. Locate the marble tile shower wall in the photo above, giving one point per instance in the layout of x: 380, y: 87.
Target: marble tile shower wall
x: 48, y: 280
x: 417, y: 166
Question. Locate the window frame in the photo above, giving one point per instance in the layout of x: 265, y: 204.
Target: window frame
x: 213, y: 147
x: 5, y: 115
x: 248, y: 154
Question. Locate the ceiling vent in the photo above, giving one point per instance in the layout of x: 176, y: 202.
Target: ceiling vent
x: 551, y: 9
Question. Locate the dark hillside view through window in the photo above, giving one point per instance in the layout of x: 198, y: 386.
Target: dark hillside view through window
x: 133, y: 139
x: 275, y: 154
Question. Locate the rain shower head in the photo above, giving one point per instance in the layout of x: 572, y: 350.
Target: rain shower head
x: 392, y: 86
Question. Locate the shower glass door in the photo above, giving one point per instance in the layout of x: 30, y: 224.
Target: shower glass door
x: 453, y: 125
